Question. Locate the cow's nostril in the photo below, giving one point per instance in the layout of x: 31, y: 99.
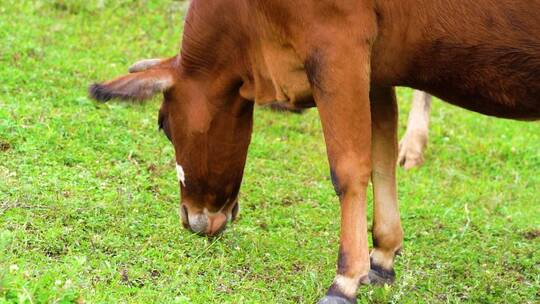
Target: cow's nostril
x: 216, y: 224
x: 185, y: 213
x: 185, y: 216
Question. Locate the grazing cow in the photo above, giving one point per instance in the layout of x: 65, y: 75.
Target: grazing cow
x: 414, y: 142
x: 343, y: 57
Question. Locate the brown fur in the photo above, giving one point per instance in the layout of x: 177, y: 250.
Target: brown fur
x: 482, y: 55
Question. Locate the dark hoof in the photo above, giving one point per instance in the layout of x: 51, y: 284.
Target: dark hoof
x: 380, y: 276
x: 334, y: 300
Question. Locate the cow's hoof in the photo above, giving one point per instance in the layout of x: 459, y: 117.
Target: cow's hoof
x: 380, y: 276
x: 411, y: 150
x: 335, y: 300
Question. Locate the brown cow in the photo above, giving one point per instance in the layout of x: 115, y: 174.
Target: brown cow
x: 344, y: 57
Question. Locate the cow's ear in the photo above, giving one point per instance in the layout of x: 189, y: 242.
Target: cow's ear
x: 147, y: 78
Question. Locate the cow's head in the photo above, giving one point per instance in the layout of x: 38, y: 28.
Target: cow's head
x: 209, y: 124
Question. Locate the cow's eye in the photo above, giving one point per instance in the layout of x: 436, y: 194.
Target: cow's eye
x: 164, y: 125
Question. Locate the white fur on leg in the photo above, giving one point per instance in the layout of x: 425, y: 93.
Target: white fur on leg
x: 413, y: 144
x: 346, y: 285
x: 385, y: 260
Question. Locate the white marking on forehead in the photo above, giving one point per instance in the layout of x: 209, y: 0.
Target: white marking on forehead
x: 180, y: 174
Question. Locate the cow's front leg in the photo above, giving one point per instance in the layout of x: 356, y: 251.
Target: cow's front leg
x: 387, y: 232
x: 340, y: 82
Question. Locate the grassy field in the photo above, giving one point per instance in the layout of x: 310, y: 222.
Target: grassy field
x: 89, y: 198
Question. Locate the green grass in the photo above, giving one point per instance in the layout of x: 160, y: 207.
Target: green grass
x: 89, y: 199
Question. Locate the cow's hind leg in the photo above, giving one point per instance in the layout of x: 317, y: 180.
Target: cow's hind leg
x: 414, y: 142
x: 387, y: 232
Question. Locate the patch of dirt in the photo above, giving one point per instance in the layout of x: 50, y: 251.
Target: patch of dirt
x: 297, y: 268
x: 154, y: 273
x: 224, y: 289
x: 264, y: 226
x: 287, y: 201
x: 533, y: 234
x: 16, y: 57
x: 124, y: 277
x: 152, y: 169
x: 4, y: 146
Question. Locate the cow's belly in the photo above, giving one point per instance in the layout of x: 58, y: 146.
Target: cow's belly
x: 486, y: 101
x: 502, y: 82
x: 480, y: 55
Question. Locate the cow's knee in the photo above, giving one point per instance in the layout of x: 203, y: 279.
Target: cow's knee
x: 349, y: 177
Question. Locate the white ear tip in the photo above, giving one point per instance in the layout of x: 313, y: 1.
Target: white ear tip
x: 143, y: 65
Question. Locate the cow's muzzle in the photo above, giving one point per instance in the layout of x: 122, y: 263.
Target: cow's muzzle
x: 207, y: 223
